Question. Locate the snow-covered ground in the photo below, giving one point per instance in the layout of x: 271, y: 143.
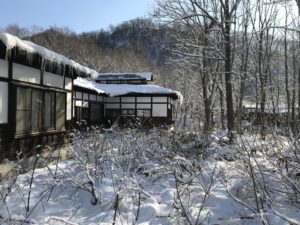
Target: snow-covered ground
x: 160, y: 177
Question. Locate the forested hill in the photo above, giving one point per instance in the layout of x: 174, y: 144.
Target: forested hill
x: 136, y: 45
x: 142, y: 36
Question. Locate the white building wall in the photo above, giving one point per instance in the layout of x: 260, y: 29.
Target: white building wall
x: 69, y: 106
x: 159, y: 110
x: 3, y: 102
x: 143, y: 99
x: 128, y: 99
x: 68, y: 84
x: 143, y: 106
x: 78, y: 103
x: 53, y: 80
x: 3, y: 68
x: 26, y: 74
x: 128, y: 106
x: 159, y: 99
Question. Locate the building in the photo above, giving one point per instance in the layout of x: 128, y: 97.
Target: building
x: 41, y: 97
x: 111, y: 97
x: 36, y: 92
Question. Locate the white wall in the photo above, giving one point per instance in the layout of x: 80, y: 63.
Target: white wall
x: 26, y: 74
x: 69, y: 106
x: 128, y: 106
x: 143, y: 106
x: 53, y: 80
x: 3, y: 102
x: 68, y: 83
x: 128, y: 99
x: 143, y: 99
x: 3, y: 68
x: 159, y: 99
x: 159, y: 110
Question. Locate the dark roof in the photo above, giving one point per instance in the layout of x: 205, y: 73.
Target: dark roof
x: 125, y: 76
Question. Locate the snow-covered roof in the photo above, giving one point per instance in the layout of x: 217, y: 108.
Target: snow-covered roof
x: 125, y: 76
x: 113, y: 90
x: 12, y: 41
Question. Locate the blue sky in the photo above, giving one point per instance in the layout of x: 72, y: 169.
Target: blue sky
x: 79, y: 15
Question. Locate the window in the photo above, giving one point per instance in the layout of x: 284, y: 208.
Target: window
x: 143, y: 113
x: 60, y: 110
x: 112, y: 113
x: 96, y: 111
x: 128, y: 112
x: 36, y: 110
x: 49, y: 110
x: 23, y: 111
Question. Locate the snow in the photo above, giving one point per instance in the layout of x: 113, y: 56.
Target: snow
x: 147, y: 75
x: 12, y: 41
x: 153, y: 182
x: 113, y: 90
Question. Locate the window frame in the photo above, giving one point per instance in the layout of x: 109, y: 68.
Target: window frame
x: 53, y: 120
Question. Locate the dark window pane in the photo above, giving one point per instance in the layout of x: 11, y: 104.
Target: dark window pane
x: 143, y: 113
x: 37, y: 110
x: 23, y: 110
x: 60, y: 110
x: 96, y: 111
x: 49, y: 110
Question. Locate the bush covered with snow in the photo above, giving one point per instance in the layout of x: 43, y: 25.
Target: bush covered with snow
x: 159, y: 176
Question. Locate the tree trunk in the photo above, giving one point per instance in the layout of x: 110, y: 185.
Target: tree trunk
x: 228, y: 84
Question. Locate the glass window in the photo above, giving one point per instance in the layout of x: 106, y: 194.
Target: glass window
x: 23, y: 112
x: 96, y: 111
x: 128, y: 112
x: 37, y: 110
x: 112, y: 113
x: 49, y: 110
x: 60, y: 111
x: 143, y: 113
